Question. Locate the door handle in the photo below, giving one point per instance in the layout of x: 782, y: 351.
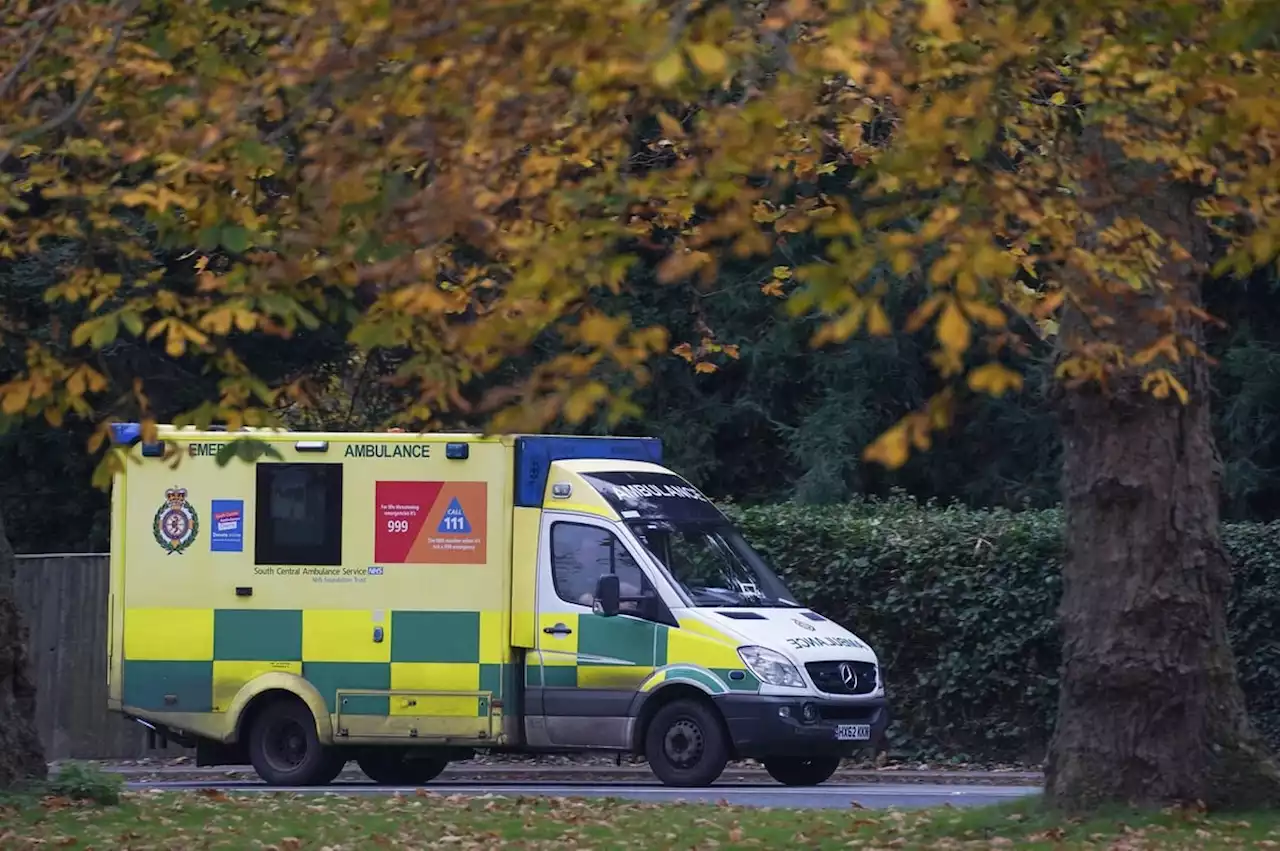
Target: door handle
x: 558, y: 629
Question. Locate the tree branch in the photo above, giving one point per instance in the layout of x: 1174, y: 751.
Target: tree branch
x: 73, y: 109
x: 16, y: 71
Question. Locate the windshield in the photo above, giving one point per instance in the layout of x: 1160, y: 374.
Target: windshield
x: 713, y: 564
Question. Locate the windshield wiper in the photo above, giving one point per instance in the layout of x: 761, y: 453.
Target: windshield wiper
x: 764, y: 601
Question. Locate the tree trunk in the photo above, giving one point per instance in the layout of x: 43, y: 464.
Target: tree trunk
x: 1151, y: 711
x: 21, y: 754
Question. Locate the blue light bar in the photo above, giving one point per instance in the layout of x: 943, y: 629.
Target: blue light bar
x: 126, y: 433
x: 536, y: 453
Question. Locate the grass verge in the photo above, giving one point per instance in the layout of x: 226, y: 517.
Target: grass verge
x: 285, y: 822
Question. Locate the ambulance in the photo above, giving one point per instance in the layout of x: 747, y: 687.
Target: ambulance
x: 405, y: 601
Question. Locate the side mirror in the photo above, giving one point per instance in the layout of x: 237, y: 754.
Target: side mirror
x: 608, y: 592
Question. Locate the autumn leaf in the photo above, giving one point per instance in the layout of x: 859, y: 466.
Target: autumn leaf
x: 709, y: 58
x: 953, y: 329
x: 878, y: 324
x: 938, y: 16
x: 584, y: 400
x: 681, y: 264
x: 1160, y: 383
x: 14, y: 396
x: 669, y: 70
x: 891, y: 449
x: 994, y: 379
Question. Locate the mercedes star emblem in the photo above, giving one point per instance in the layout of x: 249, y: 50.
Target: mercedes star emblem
x: 848, y: 676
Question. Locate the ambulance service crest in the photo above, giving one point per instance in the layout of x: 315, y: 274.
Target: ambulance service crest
x: 176, y: 524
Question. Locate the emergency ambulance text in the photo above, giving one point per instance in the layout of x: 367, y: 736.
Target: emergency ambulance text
x: 823, y: 641
x: 383, y: 450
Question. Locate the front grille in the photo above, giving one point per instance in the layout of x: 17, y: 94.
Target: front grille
x: 826, y: 676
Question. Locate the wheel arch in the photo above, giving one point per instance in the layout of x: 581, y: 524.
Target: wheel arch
x: 268, y: 688
x: 666, y: 693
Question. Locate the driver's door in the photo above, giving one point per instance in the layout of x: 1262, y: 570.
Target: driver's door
x: 587, y: 667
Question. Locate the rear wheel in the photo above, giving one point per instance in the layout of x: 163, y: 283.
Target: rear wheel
x: 790, y: 771
x: 686, y: 744
x: 285, y: 749
x: 394, y: 767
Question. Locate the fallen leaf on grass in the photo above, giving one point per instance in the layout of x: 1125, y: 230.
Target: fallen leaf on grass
x: 1053, y: 834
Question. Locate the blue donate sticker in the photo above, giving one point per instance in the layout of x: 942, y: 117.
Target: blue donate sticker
x: 228, y: 526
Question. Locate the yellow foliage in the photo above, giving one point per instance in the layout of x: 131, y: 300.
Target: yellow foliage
x: 681, y: 264
x: 1161, y: 383
x: 16, y: 396
x: 953, y: 329
x: 938, y: 16
x: 459, y: 197
x: 669, y: 70
x: 709, y: 58
x: 582, y: 401
x: 994, y: 379
x: 891, y: 449
x: 878, y: 324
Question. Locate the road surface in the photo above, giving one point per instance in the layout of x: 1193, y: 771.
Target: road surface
x: 829, y: 796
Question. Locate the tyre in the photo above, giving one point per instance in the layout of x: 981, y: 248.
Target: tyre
x: 790, y: 771
x: 393, y: 767
x: 686, y: 744
x: 285, y: 750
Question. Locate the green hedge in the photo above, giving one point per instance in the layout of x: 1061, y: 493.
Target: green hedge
x: 960, y: 605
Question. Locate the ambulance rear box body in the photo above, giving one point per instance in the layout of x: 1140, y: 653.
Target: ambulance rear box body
x: 403, y: 600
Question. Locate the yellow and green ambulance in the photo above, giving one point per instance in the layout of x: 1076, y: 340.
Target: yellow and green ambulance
x: 404, y: 600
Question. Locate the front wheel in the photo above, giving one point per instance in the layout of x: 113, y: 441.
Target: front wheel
x: 285, y: 749
x: 392, y: 767
x: 686, y: 744
x: 790, y: 771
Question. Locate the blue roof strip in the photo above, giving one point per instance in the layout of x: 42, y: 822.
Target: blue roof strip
x: 536, y: 453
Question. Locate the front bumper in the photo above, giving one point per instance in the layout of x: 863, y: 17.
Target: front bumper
x: 761, y: 729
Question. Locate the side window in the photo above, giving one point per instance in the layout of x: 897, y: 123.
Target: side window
x: 298, y: 514
x: 581, y: 554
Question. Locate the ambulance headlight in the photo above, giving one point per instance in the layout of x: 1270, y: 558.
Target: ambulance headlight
x: 771, y: 667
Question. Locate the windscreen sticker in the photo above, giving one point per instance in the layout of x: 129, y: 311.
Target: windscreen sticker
x: 430, y: 523
x: 654, y: 496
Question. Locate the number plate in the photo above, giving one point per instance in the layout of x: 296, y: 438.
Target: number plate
x: 853, y: 732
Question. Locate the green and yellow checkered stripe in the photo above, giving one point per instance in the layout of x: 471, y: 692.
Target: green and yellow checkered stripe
x: 612, y: 652
x: 197, y: 660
